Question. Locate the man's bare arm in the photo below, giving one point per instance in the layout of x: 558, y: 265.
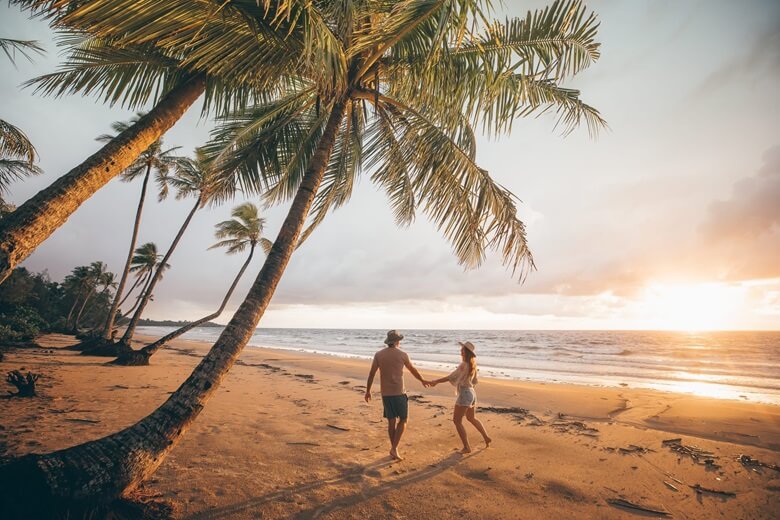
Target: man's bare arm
x: 370, y: 382
x: 414, y: 372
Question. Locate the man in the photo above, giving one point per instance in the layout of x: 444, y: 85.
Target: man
x: 390, y: 361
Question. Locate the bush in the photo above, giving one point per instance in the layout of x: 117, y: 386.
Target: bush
x: 22, y: 324
x: 8, y: 335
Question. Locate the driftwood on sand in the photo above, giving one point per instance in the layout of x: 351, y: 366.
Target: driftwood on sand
x: 698, y: 455
x: 25, y: 384
x: 748, y: 461
x: 700, y: 489
x: 623, y: 503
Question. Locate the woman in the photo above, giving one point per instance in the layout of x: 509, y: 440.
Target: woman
x: 463, y: 379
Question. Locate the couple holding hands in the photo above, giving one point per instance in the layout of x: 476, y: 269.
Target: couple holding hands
x: 391, y: 360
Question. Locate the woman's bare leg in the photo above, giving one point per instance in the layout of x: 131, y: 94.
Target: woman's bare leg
x: 478, y: 425
x: 457, y: 418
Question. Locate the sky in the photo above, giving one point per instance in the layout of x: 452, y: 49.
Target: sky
x: 668, y: 220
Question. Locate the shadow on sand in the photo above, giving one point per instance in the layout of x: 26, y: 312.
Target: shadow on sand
x: 354, y: 475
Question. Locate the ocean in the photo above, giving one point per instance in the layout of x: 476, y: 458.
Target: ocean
x: 742, y: 365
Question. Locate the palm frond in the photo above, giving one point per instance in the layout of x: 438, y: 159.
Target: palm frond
x: 13, y: 170
x: 243, y: 46
x: 472, y: 211
x: 24, y: 48
x: 14, y: 144
x: 558, y: 40
x: 129, y: 76
x: 265, y: 148
x: 241, y: 231
x: 266, y: 245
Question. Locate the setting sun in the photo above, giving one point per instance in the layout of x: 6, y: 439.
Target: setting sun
x: 704, y: 306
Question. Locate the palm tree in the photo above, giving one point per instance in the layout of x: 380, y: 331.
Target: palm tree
x: 122, y: 59
x: 107, y: 281
x: 76, y: 283
x: 144, y: 262
x: 153, y: 158
x: 17, y: 153
x: 392, y: 85
x: 97, y: 273
x: 193, y: 177
x: 243, y: 231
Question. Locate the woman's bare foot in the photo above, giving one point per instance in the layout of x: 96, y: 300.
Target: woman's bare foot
x: 466, y: 450
x: 488, y: 440
x: 394, y: 453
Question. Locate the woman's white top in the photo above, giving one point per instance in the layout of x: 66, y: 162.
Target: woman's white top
x: 459, y: 378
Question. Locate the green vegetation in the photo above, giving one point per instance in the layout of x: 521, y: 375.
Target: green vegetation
x: 30, y: 303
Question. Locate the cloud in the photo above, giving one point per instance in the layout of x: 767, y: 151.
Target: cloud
x: 753, y: 207
x: 741, y: 234
x: 760, y: 61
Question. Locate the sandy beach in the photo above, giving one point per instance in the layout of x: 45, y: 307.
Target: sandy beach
x: 288, y: 435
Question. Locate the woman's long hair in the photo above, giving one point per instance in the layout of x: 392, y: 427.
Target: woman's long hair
x: 470, y: 358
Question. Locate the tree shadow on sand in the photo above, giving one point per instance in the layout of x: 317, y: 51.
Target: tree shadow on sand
x: 354, y: 475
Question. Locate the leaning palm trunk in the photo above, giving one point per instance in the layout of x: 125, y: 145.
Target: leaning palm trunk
x: 130, y: 330
x: 141, y: 357
x: 32, y: 223
x: 73, y: 308
x: 81, y: 310
x: 109, y: 325
x: 145, y: 280
x: 103, y: 469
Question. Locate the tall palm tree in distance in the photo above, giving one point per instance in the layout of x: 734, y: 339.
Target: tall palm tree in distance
x: 107, y: 281
x: 77, y: 283
x: 157, y: 159
x: 391, y: 87
x: 97, y: 273
x: 145, y: 260
x: 242, y: 231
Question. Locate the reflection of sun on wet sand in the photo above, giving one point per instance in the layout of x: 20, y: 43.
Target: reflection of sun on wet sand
x: 288, y: 435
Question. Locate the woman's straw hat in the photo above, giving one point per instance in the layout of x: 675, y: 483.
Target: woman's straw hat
x: 468, y: 346
x: 393, y: 337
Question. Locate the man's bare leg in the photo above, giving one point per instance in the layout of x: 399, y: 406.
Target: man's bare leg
x: 399, y: 431
x: 391, y: 434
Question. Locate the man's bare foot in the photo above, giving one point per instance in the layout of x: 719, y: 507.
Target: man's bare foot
x: 394, y: 453
x: 465, y: 450
x: 488, y: 440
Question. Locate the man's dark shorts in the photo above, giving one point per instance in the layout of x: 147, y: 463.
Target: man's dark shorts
x: 396, y: 406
